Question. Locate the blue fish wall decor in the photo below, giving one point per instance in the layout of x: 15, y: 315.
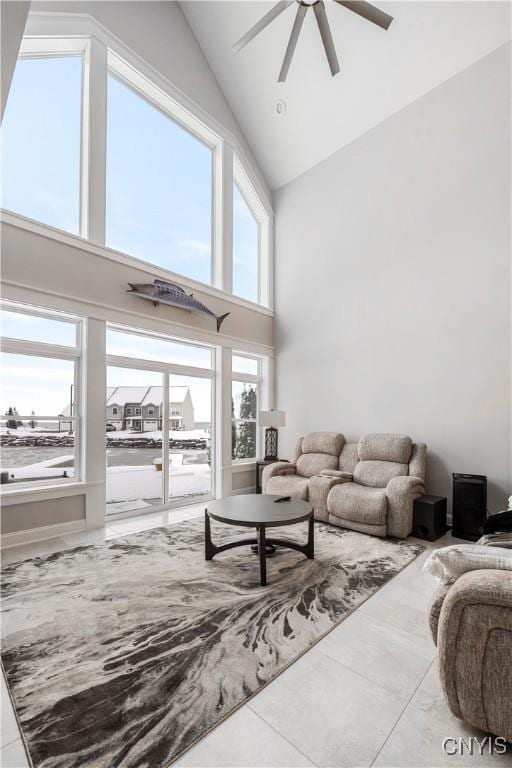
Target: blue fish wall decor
x: 162, y: 292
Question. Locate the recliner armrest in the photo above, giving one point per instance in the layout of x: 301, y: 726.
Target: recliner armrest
x: 319, y: 489
x: 277, y: 468
x: 405, y: 484
x: 401, y: 492
x: 474, y: 640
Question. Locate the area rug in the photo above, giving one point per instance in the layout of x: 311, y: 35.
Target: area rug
x: 125, y: 653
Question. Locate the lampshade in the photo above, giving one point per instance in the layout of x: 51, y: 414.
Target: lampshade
x: 272, y: 418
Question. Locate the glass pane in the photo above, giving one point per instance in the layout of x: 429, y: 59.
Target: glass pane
x: 160, y: 350
x: 190, y: 437
x: 244, y: 406
x: 245, y: 365
x: 18, y: 325
x: 36, y: 385
x: 159, y: 186
x: 245, y: 249
x: 244, y: 440
x: 41, y: 133
x: 36, y: 450
x: 134, y: 439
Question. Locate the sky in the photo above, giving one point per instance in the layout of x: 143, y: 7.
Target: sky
x: 43, y: 385
x: 41, y: 142
x: 30, y: 383
x: 159, y: 176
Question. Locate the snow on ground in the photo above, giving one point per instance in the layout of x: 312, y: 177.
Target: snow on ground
x: 132, y: 483
x: 44, y: 469
x: 174, y: 434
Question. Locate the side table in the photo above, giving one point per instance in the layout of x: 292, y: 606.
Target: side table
x: 260, y: 466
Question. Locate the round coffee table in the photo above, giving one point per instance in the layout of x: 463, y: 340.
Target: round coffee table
x: 259, y: 512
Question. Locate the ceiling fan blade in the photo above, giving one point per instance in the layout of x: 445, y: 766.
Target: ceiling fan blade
x: 325, y: 32
x: 292, y: 42
x: 261, y: 24
x: 368, y: 11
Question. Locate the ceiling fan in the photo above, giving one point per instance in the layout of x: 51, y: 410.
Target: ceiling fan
x: 366, y: 10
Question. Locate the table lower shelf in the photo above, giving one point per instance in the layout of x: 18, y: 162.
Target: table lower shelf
x: 260, y: 545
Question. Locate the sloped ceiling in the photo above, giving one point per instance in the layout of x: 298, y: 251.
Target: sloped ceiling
x: 381, y: 72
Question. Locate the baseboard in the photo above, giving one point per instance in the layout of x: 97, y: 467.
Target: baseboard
x: 32, y: 535
x: 240, y: 491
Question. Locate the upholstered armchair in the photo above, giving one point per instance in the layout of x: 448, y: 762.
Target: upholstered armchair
x: 471, y: 623
x: 315, y: 452
x: 388, y: 476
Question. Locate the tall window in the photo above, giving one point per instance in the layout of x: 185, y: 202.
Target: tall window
x: 246, y: 246
x: 41, y: 141
x: 159, y: 186
x: 154, y: 185
x: 244, y: 407
x: 39, y: 396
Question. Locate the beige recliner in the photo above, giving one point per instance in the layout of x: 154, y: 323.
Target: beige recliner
x: 471, y: 623
x: 314, y: 452
x: 378, y: 499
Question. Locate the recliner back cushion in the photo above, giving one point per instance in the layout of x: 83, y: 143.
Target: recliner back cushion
x: 348, y: 457
x: 323, y: 442
x: 310, y: 464
x: 385, y: 447
x: 377, y: 474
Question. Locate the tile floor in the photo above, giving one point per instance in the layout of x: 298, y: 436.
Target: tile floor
x: 366, y: 695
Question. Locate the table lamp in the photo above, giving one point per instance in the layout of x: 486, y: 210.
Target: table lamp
x: 271, y: 420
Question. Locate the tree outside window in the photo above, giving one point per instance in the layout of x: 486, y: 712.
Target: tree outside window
x: 244, y: 408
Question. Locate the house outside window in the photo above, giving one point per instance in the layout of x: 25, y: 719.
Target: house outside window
x: 39, y: 396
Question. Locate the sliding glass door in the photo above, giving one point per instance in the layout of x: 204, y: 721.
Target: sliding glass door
x: 134, y: 439
x: 190, y: 437
x: 158, y: 422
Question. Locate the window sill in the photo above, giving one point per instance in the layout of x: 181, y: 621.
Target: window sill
x: 22, y: 495
x: 243, y: 465
x: 75, y: 241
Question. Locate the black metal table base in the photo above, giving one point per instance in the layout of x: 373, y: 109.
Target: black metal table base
x: 261, y: 545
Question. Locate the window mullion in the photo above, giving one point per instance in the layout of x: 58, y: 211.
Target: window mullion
x: 94, y: 145
x: 165, y: 437
x: 223, y: 218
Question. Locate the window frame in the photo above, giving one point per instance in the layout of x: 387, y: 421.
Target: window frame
x: 54, y: 352
x: 247, y: 378
x: 60, y: 33
x: 145, y: 89
x: 62, y: 47
x: 257, y: 209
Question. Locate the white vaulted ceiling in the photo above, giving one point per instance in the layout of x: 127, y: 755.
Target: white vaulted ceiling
x: 381, y: 72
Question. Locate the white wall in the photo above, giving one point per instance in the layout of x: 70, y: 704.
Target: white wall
x: 393, y: 282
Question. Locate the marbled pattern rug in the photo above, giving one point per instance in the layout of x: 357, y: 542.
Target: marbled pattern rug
x: 125, y: 653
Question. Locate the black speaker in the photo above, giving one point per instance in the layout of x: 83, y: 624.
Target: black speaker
x: 429, y: 521
x: 469, y: 509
